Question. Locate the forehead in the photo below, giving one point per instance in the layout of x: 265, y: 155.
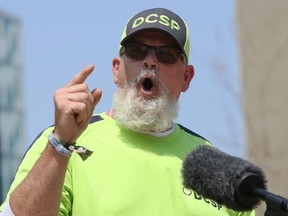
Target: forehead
x: 153, y: 36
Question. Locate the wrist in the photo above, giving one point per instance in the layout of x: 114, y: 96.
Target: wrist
x: 60, y: 146
x: 63, y: 138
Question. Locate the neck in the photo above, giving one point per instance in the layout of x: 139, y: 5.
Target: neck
x: 153, y: 133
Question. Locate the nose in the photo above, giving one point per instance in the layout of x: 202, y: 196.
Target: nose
x: 151, y: 61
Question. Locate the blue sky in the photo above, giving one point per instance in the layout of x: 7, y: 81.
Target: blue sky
x: 59, y: 38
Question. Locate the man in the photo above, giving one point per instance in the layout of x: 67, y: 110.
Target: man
x: 126, y: 161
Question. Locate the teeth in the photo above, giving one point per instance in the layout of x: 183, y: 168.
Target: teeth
x: 147, y: 84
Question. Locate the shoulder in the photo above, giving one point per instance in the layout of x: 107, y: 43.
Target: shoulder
x: 192, y: 133
x: 96, y: 118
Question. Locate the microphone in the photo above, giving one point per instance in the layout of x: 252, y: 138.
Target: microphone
x: 228, y: 180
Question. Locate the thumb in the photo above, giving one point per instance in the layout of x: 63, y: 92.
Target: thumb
x: 97, y: 94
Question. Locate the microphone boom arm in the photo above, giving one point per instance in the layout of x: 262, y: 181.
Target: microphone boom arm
x: 251, y: 184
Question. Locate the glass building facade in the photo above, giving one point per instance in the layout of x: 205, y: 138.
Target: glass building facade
x: 12, y: 142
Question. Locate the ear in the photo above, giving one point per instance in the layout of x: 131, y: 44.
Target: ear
x: 188, y: 76
x: 115, y: 69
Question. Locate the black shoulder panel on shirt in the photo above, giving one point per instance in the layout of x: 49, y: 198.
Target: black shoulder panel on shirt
x: 191, y: 132
x: 33, y: 143
x: 95, y: 118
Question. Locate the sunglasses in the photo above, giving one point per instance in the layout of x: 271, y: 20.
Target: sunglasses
x: 164, y: 54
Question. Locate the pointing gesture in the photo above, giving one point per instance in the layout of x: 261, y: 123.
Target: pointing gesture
x: 81, y: 76
x: 74, y: 106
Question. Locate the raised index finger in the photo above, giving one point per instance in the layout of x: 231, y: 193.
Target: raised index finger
x: 81, y: 76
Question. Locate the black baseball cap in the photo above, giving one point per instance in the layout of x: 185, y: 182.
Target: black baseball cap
x: 159, y: 19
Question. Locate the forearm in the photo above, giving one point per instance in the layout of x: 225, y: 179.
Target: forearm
x: 40, y: 192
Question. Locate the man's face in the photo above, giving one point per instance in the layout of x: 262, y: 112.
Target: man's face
x: 148, y: 90
x: 176, y: 77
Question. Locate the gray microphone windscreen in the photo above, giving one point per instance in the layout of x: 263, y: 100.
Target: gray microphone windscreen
x: 213, y: 174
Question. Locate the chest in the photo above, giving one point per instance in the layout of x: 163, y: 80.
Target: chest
x: 135, y: 183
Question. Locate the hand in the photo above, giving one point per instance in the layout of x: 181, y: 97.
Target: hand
x: 74, y: 106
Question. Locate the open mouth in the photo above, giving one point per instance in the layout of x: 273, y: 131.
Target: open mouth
x: 147, y: 84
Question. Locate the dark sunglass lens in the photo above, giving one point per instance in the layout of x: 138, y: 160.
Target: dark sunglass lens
x: 136, y: 51
x: 167, y: 55
x: 164, y: 54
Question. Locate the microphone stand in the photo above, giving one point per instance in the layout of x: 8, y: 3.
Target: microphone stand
x: 275, y: 204
x: 252, y: 184
x: 273, y: 212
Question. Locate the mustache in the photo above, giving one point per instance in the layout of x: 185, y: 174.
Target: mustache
x: 145, y: 73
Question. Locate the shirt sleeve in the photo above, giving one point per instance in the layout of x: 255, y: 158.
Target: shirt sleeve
x: 7, y: 210
x: 30, y: 158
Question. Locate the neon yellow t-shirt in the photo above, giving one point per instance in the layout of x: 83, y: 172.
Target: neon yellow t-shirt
x: 129, y: 174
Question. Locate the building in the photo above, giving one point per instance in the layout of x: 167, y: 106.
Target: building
x: 263, y: 43
x: 12, y: 143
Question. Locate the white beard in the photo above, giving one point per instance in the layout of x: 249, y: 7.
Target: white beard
x: 136, y: 112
